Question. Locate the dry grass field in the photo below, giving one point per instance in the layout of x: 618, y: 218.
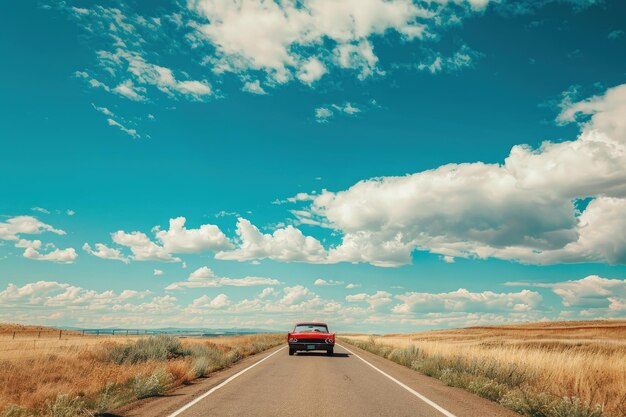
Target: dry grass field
x: 75, y: 375
x: 563, y: 369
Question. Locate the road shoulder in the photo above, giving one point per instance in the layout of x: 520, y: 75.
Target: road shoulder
x: 456, y: 400
x: 164, y: 405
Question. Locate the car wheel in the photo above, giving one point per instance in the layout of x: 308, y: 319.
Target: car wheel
x: 291, y: 352
x: 329, y: 351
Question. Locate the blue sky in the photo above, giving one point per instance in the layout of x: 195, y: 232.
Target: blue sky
x: 384, y: 165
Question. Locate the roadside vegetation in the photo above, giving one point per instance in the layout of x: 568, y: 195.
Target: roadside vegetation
x: 574, y: 369
x: 89, y: 376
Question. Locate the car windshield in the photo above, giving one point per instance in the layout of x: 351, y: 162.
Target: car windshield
x: 311, y: 328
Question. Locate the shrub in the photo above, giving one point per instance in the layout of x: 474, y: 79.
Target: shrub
x: 158, y: 348
x: 64, y: 406
x: 572, y: 407
x: 15, y: 411
x: 152, y: 385
x: 201, y: 366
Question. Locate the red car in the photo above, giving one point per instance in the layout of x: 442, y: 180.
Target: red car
x: 311, y: 336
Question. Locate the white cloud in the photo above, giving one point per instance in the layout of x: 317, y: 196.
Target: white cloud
x: 103, y: 110
x: 204, y: 277
x: 286, y: 244
x: 253, y: 87
x: 376, y: 300
x: 204, y: 302
x: 27, y: 225
x: 142, y: 248
x: 128, y: 90
x: 131, y: 132
x: 352, y: 285
x: 176, y: 239
x: 521, y: 210
x: 70, y: 212
x: 311, y: 71
x: 62, y: 256
x: 32, y: 293
x: 157, y: 272
x: 448, y: 259
x: 14, y: 227
x: 281, y: 32
x: 323, y: 282
x: 40, y: 210
x: 296, y: 295
x: 62, y: 295
x: 179, y: 239
x: 104, y: 252
x: 589, y: 292
x: 466, y: 301
x: 462, y: 58
x: 323, y: 114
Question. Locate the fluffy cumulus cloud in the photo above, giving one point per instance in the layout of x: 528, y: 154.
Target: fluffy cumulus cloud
x: 204, y: 277
x: 286, y: 36
x: 326, y: 282
x: 174, y: 240
x: 63, y: 256
x: 592, y: 292
x: 142, y: 248
x: 564, y: 202
x: 206, y: 302
x: 11, y: 228
x: 524, y: 209
x: 179, y: 239
x: 287, y: 244
x: 15, y: 227
x: 62, y: 295
x: 104, y: 252
x: 466, y: 301
x: 278, y: 307
x: 378, y: 299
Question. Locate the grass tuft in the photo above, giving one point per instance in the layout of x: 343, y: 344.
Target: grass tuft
x: 153, y: 384
x: 65, y: 406
x: 155, y: 348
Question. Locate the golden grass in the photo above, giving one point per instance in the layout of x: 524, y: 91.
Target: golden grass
x: 36, y: 371
x: 586, y: 360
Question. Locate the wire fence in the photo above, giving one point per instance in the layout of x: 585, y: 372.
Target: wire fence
x: 21, y: 335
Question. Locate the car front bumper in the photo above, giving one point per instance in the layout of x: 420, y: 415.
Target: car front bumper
x: 303, y: 345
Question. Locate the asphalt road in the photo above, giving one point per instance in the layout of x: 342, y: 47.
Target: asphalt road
x: 313, y: 384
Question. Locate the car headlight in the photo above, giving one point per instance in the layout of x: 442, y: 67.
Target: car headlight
x: 292, y: 340
x: 330, y: 341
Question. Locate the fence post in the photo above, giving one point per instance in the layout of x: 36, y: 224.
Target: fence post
x: 13, y: 335
x: 60, y: 331
x: 113, y: 332
x: 39, y: 334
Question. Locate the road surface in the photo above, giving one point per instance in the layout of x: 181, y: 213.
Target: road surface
x: 352, y: 383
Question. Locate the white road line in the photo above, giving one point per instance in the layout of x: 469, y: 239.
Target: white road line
x: 212, y: 390
x: 406, y: 387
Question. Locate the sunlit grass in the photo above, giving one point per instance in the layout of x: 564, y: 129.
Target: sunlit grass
x: 83, y: 375
x: 550, y: 370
